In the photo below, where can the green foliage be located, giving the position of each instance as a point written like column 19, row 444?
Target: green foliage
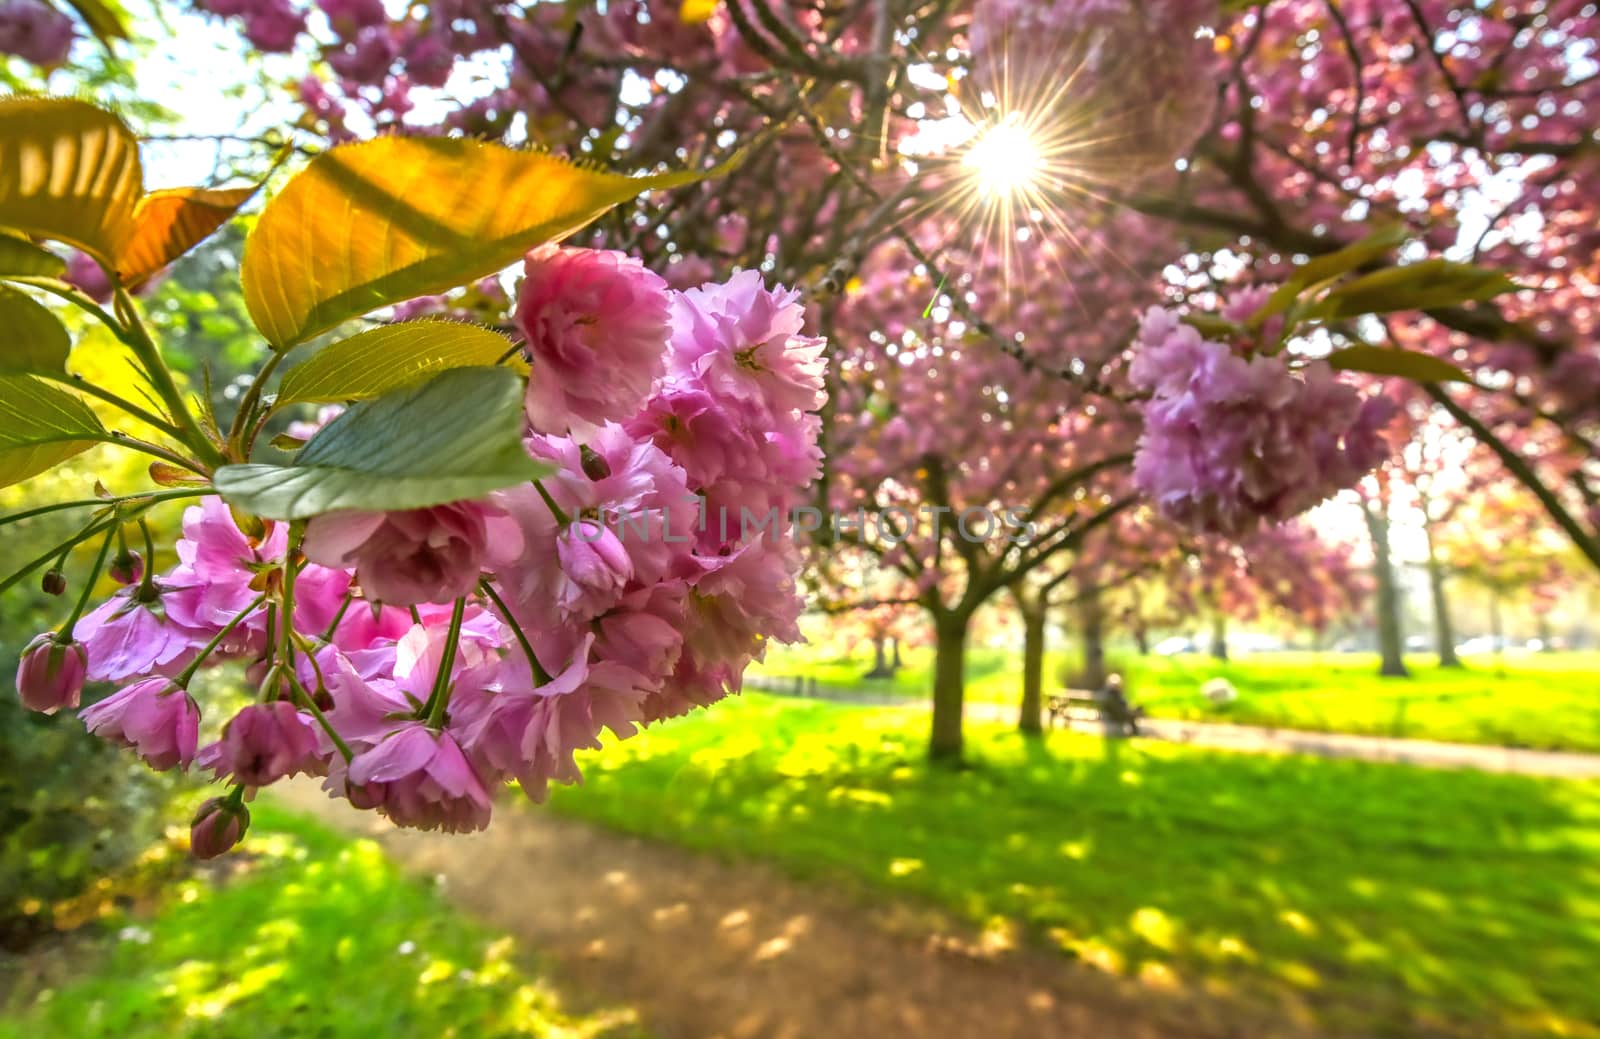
column 1409, row 364
column 383, row 359
column 72, row 809
column 21, row 258
column 1425, row 285
column 1382, row 899
column 458, row 435
column 369, row 224
column 35, row 340
column 313, row 936
column 70, row 172
column 41, row 427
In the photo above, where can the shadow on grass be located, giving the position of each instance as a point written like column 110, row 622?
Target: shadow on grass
column 1386, row 900
column 304, row 934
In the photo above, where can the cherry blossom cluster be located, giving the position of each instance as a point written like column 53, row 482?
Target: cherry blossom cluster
column 35, row 32
column 1234, row 437
column 416, row 660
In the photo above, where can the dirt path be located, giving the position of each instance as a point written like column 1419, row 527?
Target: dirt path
column 710, row 950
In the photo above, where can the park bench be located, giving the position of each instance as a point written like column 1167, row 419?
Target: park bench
column 1094, row 705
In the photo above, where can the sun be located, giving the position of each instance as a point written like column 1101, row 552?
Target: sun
column 1006, row 160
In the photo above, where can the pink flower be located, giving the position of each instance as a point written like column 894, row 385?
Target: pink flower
column 1231, row 441
column 416, row 556
column 596, row 329
column 217, row 827
column 126, row 637
column 596, row 566
column 264, row 743
column 154, row 717
column 348, row 15
column 127, row 567
column 367, row 58
column 273, row 26
column 34, row 32
column 50, row 674
column 421, row 779
column 429, row 61
column 85, row 274
column 745, row 345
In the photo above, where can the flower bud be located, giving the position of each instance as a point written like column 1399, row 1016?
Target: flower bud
column 217, row 827
column 127, row 566
column 50, row 674
column 54, row 582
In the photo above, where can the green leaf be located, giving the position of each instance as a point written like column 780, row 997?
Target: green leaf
column 1416, row 286
column 20, row 258
column 458, row 435
column 170, row 222
column 1408, row 364
column 103, row 19
column 41, row 427
column 70, row 172
column 374, row 223
column 34, row 339
column 387, row 358
column 1324, row 268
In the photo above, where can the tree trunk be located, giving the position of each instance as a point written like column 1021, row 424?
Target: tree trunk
column 1497, row 628
column 1391, row 636
column 1443, row 631
column 880, row 662
column 1092, row 621
column 1141, row 638
column 894, row 653
column 1219, row 636
column 1030, row 719
column 949, row 687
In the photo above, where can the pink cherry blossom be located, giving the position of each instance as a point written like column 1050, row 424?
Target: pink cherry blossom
column 744, row 343
column 157, row 719
column 264, row 743
column 217, row 827
column 595, row 327
column 50, row 674
column 420, row 555
column 34, row 32
column 419, row 778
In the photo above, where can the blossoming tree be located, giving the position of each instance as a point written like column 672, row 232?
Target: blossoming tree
column 1198, row 288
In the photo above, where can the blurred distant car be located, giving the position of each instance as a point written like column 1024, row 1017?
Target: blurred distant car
column 1252, row 643
column 1175, row 646
column 1416, row 643
column 1481, row 644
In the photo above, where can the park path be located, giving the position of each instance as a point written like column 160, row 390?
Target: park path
column 708, row 949
column 1258, row 740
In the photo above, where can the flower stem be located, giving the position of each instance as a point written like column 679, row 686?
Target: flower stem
column 540, row 675
column 310, row 704
column 188, row 673
column 439, row 699
column 555, row 510
column 65, row 634
column 144, row 347
column 142, row 498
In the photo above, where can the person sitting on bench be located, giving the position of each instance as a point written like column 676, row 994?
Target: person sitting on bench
column 1117, row 700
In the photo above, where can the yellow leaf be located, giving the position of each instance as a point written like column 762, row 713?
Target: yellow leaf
column 68, row 171
column 370, row 224
column 692, row 12
column 170, row 222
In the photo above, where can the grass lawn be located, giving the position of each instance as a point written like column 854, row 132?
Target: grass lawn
column 303, row 934
column 1386, row 900
column 1548, row 701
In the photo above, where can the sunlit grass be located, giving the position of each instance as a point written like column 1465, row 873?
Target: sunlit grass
column 1385, row 899
column 1548, row 701
column 315, row 935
